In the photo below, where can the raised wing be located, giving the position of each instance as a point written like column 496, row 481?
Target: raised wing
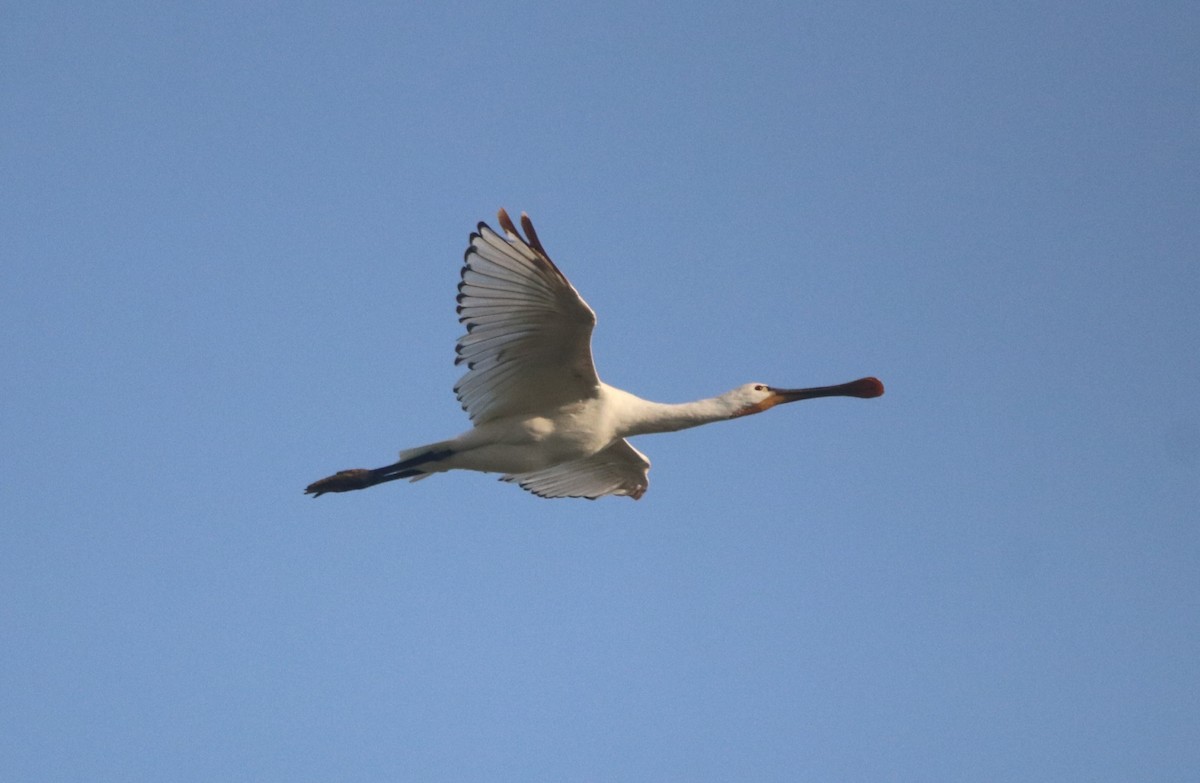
column 619, row 469
column 529, row 332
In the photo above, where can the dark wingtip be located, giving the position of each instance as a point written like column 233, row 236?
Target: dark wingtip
column 532, row 236
column 506, row 223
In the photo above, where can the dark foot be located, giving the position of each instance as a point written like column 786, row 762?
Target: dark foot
column 342, row 481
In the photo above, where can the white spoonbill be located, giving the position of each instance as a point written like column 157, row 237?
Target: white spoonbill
column 541, row 415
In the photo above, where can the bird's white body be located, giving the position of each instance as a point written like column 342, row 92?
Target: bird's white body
column 524, row 443
column 542, row 416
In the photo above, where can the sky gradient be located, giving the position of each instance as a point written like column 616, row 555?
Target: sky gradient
column 230, row 235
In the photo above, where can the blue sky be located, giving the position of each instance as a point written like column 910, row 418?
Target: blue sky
column 230, row 237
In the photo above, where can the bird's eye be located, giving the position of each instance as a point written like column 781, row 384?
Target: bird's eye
column 759, row 387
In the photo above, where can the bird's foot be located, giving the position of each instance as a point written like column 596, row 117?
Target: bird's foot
column 342, row 481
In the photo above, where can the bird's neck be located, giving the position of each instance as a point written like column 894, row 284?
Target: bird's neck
column 644, row 417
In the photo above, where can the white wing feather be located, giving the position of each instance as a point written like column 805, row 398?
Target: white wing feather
column 619, row 469
column 529, row 332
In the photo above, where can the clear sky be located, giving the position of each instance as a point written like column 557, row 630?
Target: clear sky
column 229, row 239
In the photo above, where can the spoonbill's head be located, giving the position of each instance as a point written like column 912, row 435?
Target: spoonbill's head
column 757, row 397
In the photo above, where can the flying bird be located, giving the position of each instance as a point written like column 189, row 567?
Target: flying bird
column 542, row 417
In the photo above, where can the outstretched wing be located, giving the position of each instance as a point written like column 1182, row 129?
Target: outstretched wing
column 529, row 332
column 619, row 469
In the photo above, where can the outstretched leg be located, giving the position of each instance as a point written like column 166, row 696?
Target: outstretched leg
column 361, row 478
